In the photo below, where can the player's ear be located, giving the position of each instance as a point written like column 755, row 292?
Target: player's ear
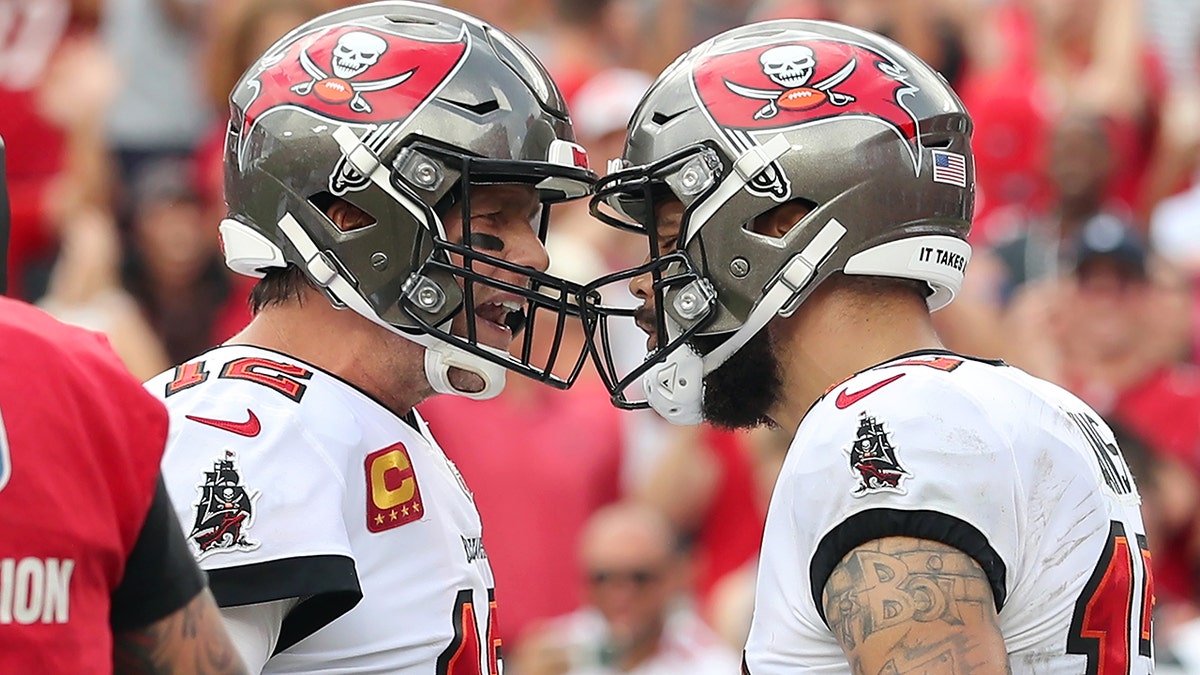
column 780, row 220
column 346, row 216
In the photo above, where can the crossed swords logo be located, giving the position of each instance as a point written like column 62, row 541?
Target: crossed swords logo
column 357, row 103
column 771, row 108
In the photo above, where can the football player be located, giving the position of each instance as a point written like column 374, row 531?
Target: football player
column 94, row 572
column 389, row 169
column 806, row 190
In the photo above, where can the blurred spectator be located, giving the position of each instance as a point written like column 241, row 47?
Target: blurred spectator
column 239, row 31
column 1034, row 244
column 1112, row 332
column 175, row 270
column 933, row 30
column 1113, row 317
column 540, row 461
column 634, row 622
column 1056, row 55
column 705, row 485
column 731, row 603
column 54, row 83
column 158, row 111
column 586, row 37
column 85, row 290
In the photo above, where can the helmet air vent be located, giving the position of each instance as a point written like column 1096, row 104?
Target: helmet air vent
column 400, row 18
column 482, row 108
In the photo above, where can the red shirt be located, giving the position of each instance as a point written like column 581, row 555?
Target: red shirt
column 539, row 461
column 77, row 476
column 1164, row 410
column 731, row 531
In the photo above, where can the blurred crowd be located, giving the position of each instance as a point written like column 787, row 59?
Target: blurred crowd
column 620, row 544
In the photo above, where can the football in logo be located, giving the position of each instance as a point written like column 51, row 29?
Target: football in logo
column 802, row 98
column 333, row 90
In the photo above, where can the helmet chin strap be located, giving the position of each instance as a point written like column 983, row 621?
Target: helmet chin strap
column 440, row 356
column 675, row 388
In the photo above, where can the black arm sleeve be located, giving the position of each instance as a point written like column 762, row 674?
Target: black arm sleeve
column 160, row 575
column 875, row 524
column 327, row 586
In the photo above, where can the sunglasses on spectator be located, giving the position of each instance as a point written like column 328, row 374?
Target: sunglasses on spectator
column 637, row 577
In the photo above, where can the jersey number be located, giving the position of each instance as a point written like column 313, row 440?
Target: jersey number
column 1103, row 625
column 285, row 378
column 463, row 655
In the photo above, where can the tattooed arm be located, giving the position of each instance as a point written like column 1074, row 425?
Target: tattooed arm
column 901, row 605
column 164, row 620
column 190, row 641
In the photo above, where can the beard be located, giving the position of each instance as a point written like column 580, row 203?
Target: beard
column 739, row 394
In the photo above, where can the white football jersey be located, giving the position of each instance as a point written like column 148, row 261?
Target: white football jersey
column 1010, row 469
column 291, row 483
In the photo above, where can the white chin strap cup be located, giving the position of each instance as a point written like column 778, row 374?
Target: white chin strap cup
column 440, row 357
column 675, row 387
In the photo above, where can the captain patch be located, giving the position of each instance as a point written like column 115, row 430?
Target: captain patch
column 393, row 497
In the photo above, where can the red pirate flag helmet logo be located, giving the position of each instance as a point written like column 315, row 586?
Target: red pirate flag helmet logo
column 782, row 86
column 353, row 74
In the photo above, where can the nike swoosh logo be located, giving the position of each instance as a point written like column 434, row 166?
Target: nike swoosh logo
column 845, row 399
column 249, row 428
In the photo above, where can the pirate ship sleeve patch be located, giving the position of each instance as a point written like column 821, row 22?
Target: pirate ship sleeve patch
column 327, row 584
column 224, row 513
column 160, row 574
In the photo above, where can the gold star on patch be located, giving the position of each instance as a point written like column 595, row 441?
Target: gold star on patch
column 392, row 514
column 404, row 510
column 416, row 506
column 379, row 519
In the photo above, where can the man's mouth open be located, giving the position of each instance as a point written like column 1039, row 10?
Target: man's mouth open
column 499, row 321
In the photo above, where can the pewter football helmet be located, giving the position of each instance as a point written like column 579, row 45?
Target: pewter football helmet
column 843, row 119
column 400, row 108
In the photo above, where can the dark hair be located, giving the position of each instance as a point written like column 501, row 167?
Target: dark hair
column 279, row 286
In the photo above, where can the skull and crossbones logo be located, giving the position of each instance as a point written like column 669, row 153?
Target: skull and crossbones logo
column 354, row 54
column 792, row 67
